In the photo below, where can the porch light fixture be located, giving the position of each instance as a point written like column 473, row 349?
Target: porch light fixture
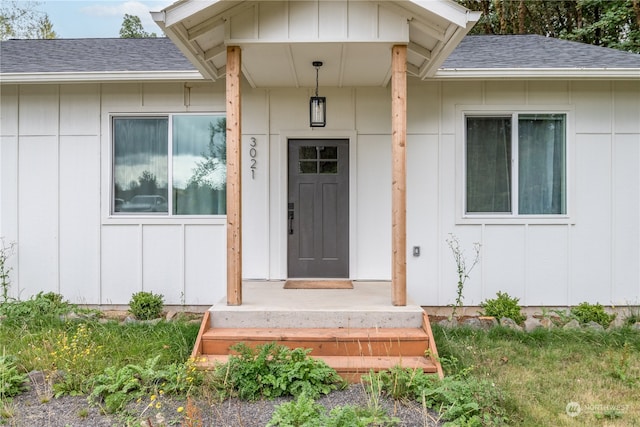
column 317, row 104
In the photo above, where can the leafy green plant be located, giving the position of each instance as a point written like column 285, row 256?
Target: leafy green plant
column 503, row 306
column 460, row 399
column 272, row 370
column 115, row 387
column 146, row 305
column 302, row 412
column 305, row 412
column 39, row 310
column 6, row 250
column 585, row 313
column 462, row 269
column 12, row 382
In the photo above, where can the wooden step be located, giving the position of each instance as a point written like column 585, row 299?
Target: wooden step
column 394, row 342
column 349, row 367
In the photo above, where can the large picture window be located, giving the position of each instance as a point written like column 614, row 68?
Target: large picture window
column 169, row 165
column 516, row 164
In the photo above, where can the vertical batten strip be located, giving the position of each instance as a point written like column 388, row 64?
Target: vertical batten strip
column 234, row 180
column 399, row 174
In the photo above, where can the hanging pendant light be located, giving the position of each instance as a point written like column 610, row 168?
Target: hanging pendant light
column 317, row 104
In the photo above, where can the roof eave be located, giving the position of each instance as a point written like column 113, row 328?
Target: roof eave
column 538, row 73
column 471, row 18
column 102, row 77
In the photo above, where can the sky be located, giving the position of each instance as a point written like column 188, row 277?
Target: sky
column 99, row 19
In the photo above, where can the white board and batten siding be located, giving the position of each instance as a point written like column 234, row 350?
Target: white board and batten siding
column 55, row 169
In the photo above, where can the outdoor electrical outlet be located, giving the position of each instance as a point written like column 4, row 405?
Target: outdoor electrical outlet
column 416, row 251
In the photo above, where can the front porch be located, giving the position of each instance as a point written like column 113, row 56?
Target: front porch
column 352, row 330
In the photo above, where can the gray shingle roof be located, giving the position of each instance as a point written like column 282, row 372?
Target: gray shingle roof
column 160, row 54
column 91, row 55
column 534, row 51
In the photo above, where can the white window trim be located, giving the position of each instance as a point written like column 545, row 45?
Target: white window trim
column 462, row 217
column 111, row 218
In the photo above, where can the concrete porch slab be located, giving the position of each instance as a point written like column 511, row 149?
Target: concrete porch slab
column 266, row 304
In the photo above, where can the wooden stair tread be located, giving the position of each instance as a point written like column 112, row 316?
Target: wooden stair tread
column 345, row 364
column 316, row 334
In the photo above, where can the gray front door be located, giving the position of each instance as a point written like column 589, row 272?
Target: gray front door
column 318, row 208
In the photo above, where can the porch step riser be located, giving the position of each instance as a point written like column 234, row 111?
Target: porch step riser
column 239, row 317
column 395, row 342
column 349, row 368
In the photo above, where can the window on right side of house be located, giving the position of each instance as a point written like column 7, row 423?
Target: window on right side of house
column 516, row 164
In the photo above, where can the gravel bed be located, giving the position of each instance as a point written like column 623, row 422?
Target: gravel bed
column 33, row 408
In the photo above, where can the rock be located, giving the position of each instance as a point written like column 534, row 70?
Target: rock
column 510, row 323
column 130, row 319
column 572, row 324
column 170, row 315
column 594, row 326
column 636, row 326
column 532, row 324
column 546, row 322
column 618, row 322
column 488, row 322
column 448, row 323
column 152, row 321
column 472, row 322
column 69, row 316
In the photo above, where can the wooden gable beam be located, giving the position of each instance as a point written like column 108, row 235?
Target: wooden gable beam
column 399, row 174
column 234, row 181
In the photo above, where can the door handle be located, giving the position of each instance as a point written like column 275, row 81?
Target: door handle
column 290, row 216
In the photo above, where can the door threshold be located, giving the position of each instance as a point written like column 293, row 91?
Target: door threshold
column 318, row 284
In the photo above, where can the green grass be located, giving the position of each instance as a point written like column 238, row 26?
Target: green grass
column 543, row 371
column 537, row 374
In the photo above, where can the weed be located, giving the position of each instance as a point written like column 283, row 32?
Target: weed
column 116, row 387
column 272, row 370
column 460, row 399
column 40, row 310
column 83, row 413
column 192, row 414
column 6, row 250
column 461, row 267
column 503, row 306
column 586, row 313
column 305, row 412
column 302, row 412
column 146, row 305
column 12, row 382
column 73, row 357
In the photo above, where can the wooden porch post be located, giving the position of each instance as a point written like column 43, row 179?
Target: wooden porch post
column 399, row 174
column 234, row 181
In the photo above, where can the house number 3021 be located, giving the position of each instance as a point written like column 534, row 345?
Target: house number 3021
column 253, row 153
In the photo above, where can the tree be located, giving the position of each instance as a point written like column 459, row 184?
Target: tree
column 610, row 23
column 22, row 20
column 132, row 28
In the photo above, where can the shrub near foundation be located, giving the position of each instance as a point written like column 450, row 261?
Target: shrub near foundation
column 503, row 306
column 586, row 313
column 146, row 305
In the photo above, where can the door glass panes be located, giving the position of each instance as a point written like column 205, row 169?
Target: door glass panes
column 328, row 153
column 308, row 153
column 140, row 167
column 199, row 165
column 308, row 167
column 318, row 159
